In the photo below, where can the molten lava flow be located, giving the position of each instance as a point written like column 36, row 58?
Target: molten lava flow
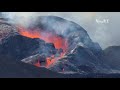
column 59, row 42
column 49, row 61
column 37, row 64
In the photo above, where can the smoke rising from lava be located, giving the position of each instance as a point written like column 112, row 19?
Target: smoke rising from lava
column 110, row 32
column 21, row 18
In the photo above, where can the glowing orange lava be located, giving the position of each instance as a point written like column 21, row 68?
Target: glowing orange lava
column 37, row 64
column 49, row 37
column 49, row 61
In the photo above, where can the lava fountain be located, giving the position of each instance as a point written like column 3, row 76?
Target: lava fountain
column 49, row 37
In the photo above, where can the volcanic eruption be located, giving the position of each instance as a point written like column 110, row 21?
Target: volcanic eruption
column 66, row 36
column 59, row 42
column 54, row 43
column 51, row 44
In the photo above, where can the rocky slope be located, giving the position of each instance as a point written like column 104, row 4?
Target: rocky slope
column 112, row 57
column 21, row 47
column 80, row 60
column 73, row 32
column 10, row 68
column 82, row 56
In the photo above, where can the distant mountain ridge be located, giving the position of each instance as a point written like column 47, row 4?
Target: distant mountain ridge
column 112, row 56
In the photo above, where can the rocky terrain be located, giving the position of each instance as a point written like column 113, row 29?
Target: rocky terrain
column 81, row 57
column 112, row 57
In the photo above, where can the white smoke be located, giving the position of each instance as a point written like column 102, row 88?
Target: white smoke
column 105, row 34
column 22, row 18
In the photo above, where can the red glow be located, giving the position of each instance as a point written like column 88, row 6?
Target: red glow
column 37, row 64
column 49, row 61
column 48, row 37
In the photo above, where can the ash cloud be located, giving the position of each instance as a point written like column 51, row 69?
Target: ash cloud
column 105, row 34
column 23, row 18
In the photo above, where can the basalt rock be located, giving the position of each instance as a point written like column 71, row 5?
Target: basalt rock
column 21, row 47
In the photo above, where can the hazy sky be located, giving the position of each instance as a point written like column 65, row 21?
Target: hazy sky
column 106, row 34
